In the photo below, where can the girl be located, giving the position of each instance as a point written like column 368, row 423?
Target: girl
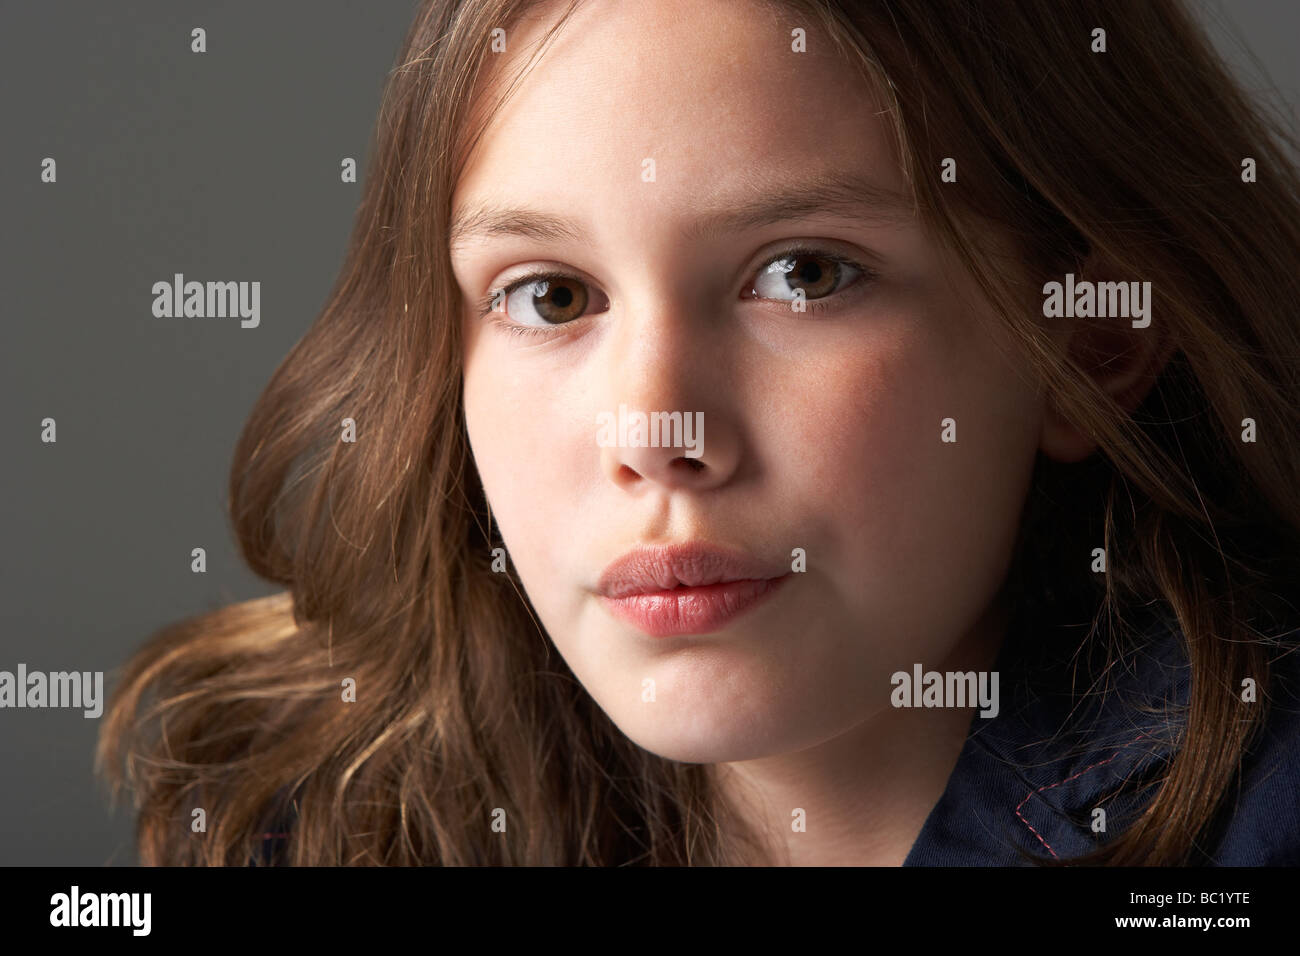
column 789, row 432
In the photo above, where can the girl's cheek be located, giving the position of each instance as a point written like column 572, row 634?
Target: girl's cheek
column 859, row 419
column 533, row 451
column 866, row 445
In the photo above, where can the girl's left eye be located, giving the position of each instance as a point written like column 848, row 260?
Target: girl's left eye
column 812, row 274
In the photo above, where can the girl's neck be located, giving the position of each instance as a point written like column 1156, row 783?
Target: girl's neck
column 864, row 795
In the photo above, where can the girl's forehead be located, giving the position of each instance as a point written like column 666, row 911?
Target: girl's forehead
column 699, row 58
column 673, row 95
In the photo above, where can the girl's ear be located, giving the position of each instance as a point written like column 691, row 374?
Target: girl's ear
column 1123, row 361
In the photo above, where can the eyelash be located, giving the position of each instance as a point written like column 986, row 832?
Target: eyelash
column 813, row 305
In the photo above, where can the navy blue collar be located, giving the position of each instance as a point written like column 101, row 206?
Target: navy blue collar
column 1030, row 780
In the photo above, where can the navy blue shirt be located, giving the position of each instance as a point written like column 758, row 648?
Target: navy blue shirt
column 1029, row 781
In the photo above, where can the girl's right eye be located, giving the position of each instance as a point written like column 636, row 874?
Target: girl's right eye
column 554, row 298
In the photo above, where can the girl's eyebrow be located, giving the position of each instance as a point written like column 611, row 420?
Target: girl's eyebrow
column 759, row 201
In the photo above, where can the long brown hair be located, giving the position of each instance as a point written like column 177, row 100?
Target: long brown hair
column 383, row 545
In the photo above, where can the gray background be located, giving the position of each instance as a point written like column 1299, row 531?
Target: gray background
column 222, row 166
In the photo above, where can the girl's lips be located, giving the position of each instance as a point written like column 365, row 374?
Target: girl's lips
column 691, row 610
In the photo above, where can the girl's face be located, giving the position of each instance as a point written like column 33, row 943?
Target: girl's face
column 666, row 157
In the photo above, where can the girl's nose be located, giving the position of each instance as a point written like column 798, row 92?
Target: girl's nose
column 666, row 419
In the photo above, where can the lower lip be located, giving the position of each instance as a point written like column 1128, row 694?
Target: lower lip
column 701, row 610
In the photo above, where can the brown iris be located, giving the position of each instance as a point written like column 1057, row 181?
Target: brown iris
column 811, row 275
column 559, row 300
